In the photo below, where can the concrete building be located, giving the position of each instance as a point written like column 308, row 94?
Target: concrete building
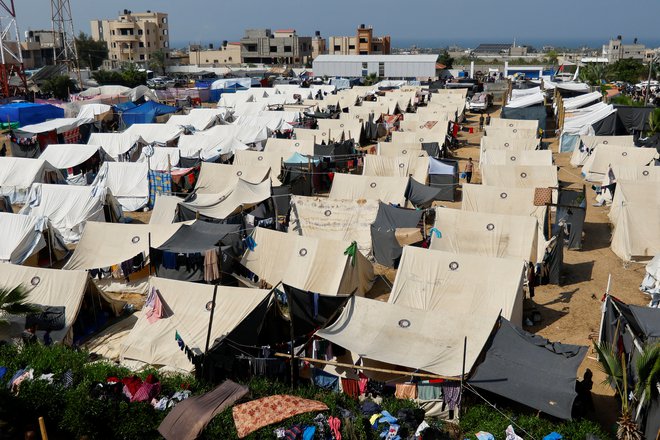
column 362, row 43
column 229, row 54
column 506, row 49
column 384, row 66
column 37, row 49
column 318, row 45
column 284, row 46
column 133, row 37
column 616, row 50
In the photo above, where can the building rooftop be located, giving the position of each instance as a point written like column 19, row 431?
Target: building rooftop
column 285, row 31
column 492, row 48
column 426, row 58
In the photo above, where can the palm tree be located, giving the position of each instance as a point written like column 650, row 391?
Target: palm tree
column 371, row 79
column 14, row 302
column 648, row 373
column 592, row 74
column 654, row 121
column 615, row 369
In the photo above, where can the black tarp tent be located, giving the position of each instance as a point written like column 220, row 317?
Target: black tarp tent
column 386, row 248
column 443, row 175
column 421, row 196
column 531, row 370
column 188, row 246
column 628, row 328
column 572, row 210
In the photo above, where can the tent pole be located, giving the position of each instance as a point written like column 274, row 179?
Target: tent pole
column 50, row 246
column 208, row 332
column 460, row 398
column 149, row 243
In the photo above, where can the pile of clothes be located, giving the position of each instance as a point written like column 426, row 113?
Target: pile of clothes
column 27, row 374
column 134, row 389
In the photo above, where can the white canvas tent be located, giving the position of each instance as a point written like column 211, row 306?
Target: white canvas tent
column 128, row 182
column 313, row 136
column 338, row 128
column 447, row 283
column 63, row 156
column 69, row 207
column 308, row 263
column 59, row 125
column 510, row 132
column 385, row 189
column 160, row 158
column 393, row 166
column 155, row 133
column 598, row 163
column 506, row 143
column 333, row 219
column 52, row 287
column 519, row 176
column 17, row 174
column 199, row 118
column 524, row 157
column 246, row 134
column 154, row 343
column 288, row 146
column 164, row 209
column 420, row 136
column 588, row 143
column 514, row 123
column 215, row 178
column 23, row 236
column 207, row 147
column 581, row 100
column 240, row 196
column 116, row 145
column 259, row 159
column 400, row 149
column 488, row 234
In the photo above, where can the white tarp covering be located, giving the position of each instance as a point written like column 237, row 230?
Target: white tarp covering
column 247, row 134
column 59, row 125
column 514, row 123
column 314, row 136
column 104, row 90
column 259, row 159
column 588, row 143
column 217, row 178
column 524, row 157
column 221, row 205
column 581, row 100
column 207, row 147
column 288, row 146
column 63, row 156
column 506, row 143
column 401, row 149
column 128, row 182
column 634, row 216
column 17, row 174
column 420, row 136
column 519, row 176
column 480, row 233
column 162, row 158
column 404, row 336
column 446, row 282
column 397, row 166
column 115, row 144
column 510, row 133
column 225, row 83
column 385, row 189
column 526, row 100
column 308, row 263
column 338, row 128
column 332, row 219
column 198, row 118
column 271, row 120
column 22, row 237
column 581, row 124
column 155, row 133
column 68, row 207
column 164, row 209
column 93, row 110
column 597, row 164
column 154, row 344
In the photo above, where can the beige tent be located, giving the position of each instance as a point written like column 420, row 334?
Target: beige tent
column 489, row 143
column 634, row 216
column 588, row 143
column 380, row 107
column 443, row 93
column 54, row 287
column 397, row 166
column 258, row 159
column 419, row 136
column 514, row 123
column 308, row 263
column 439, row 126
column 242, row 195
column 334, row 219
column 215, row 178
column 403, row 336
column 524, row 157
column 597, row 164
column 635, row 173
column 155, row 344
column 164, row 209
column 460, row 285
column 385, row 189
column 519, row 176
column 492, row 235
column 511, row 133
column 337, row 128
column 423, row 116
column 287, row 147
column 314, row 136
column 401, row 149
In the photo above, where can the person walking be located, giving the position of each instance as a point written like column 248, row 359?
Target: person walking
column 481, row 122
column 487, row 120
column 469, row 167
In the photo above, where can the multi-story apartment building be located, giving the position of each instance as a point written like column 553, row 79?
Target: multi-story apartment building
column 229, row 54
column 133, row 37
column 616, row 50
column 362, row 43
column 261, row 46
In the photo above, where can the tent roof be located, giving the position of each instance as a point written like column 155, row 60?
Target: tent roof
column 603, row 156
column 124, row 179
column 199, row 121
column 155, row 133
column 248, row 134
column 63, row 156
column 198, row 237
column 93, row 110
column 257, row 159
column 400, row 335
column 523, row 157
column 218, row 178
column 208, row 147
column 288, row 146
column 418, row 136
column 531, row 370
column 60, row 125
column 21, row 236
column 164, row 209
column 385, row 189
column 334, row 219
column 397, row 166
column 154, row 343
column 519, row 176
column 401, row 149
column 493, row 235
column 114, row 144
column 241, row 195
column 592, row 141
column 514, row 123
column 505, row 142
column 307, row 263
column 22, row 172
column 159, row 158
column 106, row 244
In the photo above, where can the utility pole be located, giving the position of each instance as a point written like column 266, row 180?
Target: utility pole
column 648, row 82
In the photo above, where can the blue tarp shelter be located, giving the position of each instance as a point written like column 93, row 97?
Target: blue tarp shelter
column 28, row 113
column 125, row 106
column 298, row 159
column 146, row 113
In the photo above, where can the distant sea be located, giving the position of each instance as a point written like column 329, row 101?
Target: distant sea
column 572, row 43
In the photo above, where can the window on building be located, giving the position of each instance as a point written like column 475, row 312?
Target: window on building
column 148, row 44
column 363, row 40
column 166, row 44
column 337, row 48
column 375, row 48
column 147, row 31
column 273, row 48
column 142, row 56
column 381, row 69
column 164, row 31
column 290, row 49
column 114, row 56
column 140, row 32
column 114, row 45
column 141, row 44
column 229, row 59
column 251, row 47
column 164, row 20
column 364, row 65
column 364, row 52
column 215, row 61
column 113, row 32
column 351, row 47
column 26, row 54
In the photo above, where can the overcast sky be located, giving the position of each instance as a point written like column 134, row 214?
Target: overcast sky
column 407, row 21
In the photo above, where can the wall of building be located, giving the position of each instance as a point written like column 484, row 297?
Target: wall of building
column 362, row 43
column 262, row 46
column 353, row 67
column 225, row 55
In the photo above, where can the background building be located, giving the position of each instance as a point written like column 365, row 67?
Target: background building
column 318, row 45
column 261, row 46
column 384, row 66
column 500, row 49
column 133, row 37
column 37, row 49
column 362, row 43
column 616, row 50
column 226, row 55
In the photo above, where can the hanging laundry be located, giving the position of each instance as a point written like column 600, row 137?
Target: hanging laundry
column 435, row 231
column 351, row 251
column 406, row 391
column 350, row 387
column 451, row 393
column 156, row 311
column 211, row 269
column 178, row 340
